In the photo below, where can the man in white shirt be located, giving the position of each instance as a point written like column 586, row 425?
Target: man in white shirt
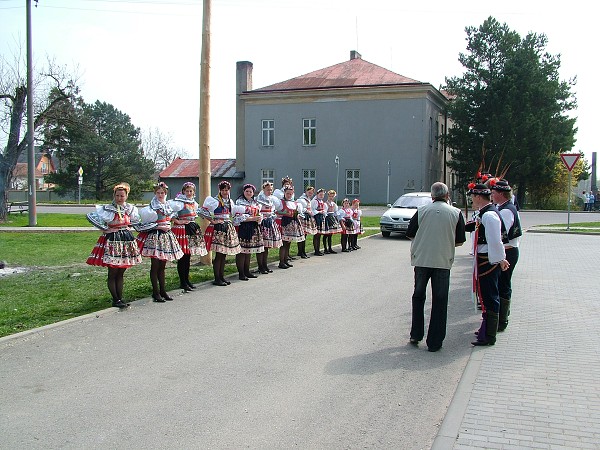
column 490, row 260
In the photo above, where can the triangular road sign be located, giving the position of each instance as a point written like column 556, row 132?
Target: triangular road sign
column 570, row 159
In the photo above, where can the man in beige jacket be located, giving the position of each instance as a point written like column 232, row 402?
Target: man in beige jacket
column 436, row 230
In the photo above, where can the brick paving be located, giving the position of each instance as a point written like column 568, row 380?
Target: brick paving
column 538, row 387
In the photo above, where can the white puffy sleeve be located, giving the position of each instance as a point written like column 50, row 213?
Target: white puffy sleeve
column 493, row 236
column 176, row 206
column 134, row 217
column 210, row 204
column 106, row 216
column 148, row 215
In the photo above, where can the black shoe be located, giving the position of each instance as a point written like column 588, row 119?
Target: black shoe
column 433, row 349
column 291, row 258
column 225, row 281
column 269, row 270
column 345, row 251
column 119, row 304
column 219, row 283
column 157, row 299
column 332, row 251
column 326, row 251
column 479, row 343
column 356, row 247
column 502, row 326
column 283, row 266
column 414, row 341
column 185, row 287
column 243, row 277
column 318, row 254
column 289, row 265
column 304, row 256
column 191, row 286
column 166, row 297
column 249, row 275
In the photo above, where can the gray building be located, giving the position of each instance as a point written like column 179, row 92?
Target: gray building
column 355, row 125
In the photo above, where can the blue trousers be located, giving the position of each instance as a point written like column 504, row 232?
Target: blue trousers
column 440, row 284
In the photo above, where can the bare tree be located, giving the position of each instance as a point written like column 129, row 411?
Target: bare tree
column 52, row 88
column 158, row 147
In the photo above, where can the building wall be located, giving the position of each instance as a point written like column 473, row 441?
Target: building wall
column 366, row 129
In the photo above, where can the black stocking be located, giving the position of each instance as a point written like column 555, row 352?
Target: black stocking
column 345, row 241
column 316, row 242
column 154, row 270
column 161, row 278
column 113, row 274
column 183, row 269
column 120, row 282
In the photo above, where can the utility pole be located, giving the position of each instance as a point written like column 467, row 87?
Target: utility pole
column 204, row 160
column 30, row 126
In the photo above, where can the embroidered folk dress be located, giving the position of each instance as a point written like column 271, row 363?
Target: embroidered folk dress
column 222, row 237
column 269, row 229
column 345, row 218
column 188, row 234
column 116, row 247
column 249, row 233
column 308, row 221
column 160, row 242
column 291, row 228
column 332, row 225
column 319, row 210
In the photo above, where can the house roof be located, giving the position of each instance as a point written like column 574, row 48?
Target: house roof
column 353, row 73
column 190, row 168
column 20, row 171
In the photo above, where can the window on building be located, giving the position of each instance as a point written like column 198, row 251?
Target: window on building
column 309, row 177
column 309, row 130
column 44, row 168
column 352, row 182
column 437, row 134
column 267, row 175
column 431, row 132
column 268, row 133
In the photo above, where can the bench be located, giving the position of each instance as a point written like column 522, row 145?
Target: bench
column 19, row 207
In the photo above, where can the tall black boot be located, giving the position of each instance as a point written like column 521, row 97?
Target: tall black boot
column 317, row 244
column 181, row 271
column 504, row 313
column 344, row 243
column 491, row 328
column 329, row 239
column 239, row 263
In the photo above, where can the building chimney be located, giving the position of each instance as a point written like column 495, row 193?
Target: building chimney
column 243, row 84
column 354, row 55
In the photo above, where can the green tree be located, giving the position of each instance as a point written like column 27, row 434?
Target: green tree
column 107, row 146
column 53, row 88
column 511, row 103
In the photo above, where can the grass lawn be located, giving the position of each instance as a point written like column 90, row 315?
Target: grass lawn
column 48, row 220
column 59, row 285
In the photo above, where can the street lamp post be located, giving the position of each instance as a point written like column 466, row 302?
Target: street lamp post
column 389, row 172
column 337, row 178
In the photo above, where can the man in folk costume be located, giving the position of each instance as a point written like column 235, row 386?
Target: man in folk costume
column 490, row 260
column 501, row 196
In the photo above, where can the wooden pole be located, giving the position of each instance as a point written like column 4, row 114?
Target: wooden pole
column 204, row 160
column 30, row 127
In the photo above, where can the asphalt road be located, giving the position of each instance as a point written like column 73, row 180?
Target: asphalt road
column 313, row 357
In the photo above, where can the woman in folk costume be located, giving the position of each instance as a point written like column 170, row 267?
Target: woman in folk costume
column 291, row 228
column 188, row 233
column 116, row 247
column 221, row 235
column 332, row 225
column 356, row 215
column 159, row 244
column 249, row 232
column 319, row 210
column 269, row 229
column 308, row 221
column 279, row 193
column 344, row 215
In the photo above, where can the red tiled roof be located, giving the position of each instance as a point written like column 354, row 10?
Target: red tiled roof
column 21, row 171
column 190, row 168
column 355, row 72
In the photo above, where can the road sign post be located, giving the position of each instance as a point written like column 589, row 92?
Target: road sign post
column 569, row 160
column 79, row 182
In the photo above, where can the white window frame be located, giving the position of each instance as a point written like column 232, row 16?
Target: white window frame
column 267, row 175
column 353, row 176
column 309, row 132
column 268, row 132
column 307, row 179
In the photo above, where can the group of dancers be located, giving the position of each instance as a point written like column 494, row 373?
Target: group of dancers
column 251, row 224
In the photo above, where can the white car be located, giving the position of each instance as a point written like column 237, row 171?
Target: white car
column 396, row 219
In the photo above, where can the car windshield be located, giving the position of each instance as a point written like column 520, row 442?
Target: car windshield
column 411, row 202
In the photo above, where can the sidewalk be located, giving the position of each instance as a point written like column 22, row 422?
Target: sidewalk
column 538, row 387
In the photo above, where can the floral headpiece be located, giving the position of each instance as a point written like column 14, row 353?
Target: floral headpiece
column 122, row 187
column 248, row 185
column 224, row 184
column 160, row 185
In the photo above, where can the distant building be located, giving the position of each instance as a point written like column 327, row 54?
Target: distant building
column 44, row 166
column 183, row 170
column 340, row 126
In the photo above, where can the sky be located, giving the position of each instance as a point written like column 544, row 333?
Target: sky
column 143, row 56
